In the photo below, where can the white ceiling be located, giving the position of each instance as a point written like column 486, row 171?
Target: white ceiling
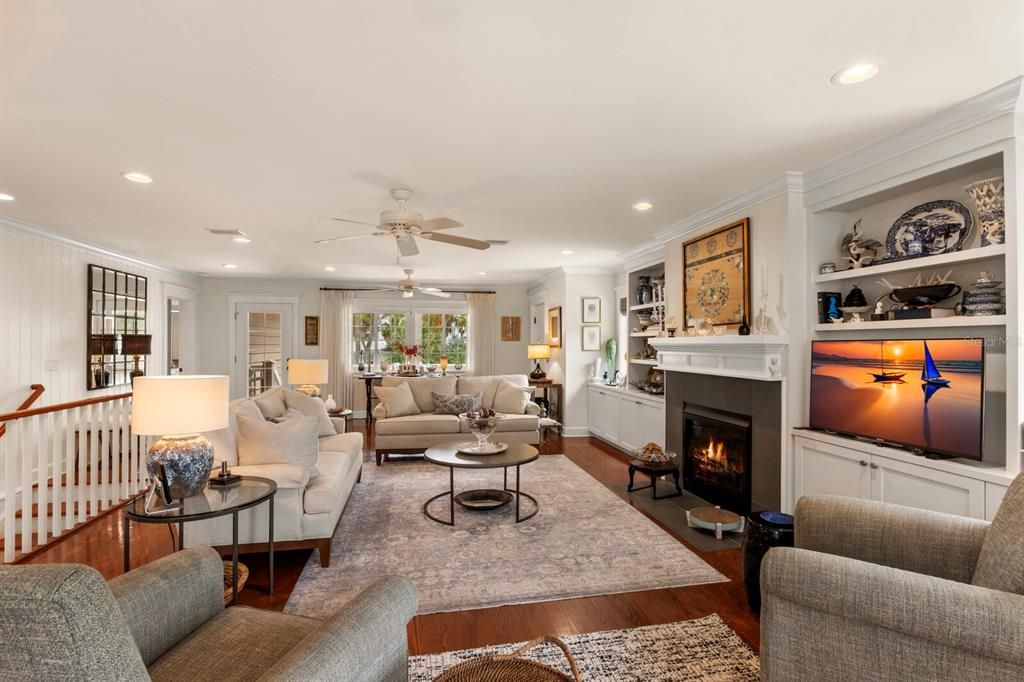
column 540, row 123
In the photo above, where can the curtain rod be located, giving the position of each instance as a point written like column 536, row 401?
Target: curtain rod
column 447, row 291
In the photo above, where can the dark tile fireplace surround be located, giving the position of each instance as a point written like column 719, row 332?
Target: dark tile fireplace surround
column 728, row 433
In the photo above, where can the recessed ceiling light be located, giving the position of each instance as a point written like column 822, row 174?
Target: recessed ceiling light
column 230, row 266
column 643, row 206
column 856, row 73
column 567, row 252
column 329, row 268
column 481, row 273
column 135, row 176
column 6, row 197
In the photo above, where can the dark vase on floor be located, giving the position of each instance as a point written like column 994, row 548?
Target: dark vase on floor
column 764, row 530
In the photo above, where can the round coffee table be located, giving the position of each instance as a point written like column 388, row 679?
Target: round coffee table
column 448, row 455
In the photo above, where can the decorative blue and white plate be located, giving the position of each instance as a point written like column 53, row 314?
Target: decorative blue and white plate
column 939, row 226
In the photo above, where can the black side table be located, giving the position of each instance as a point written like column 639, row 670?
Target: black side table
column 655, row 471
column 211, row 503
column 764, row 531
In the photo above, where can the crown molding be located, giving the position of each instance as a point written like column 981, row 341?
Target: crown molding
column 582, row 270
column 36, row 231
column 1001, row 100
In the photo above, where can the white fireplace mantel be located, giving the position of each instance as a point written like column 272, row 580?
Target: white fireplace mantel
column 762, row 358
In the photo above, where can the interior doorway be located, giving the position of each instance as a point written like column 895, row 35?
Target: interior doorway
column 180, row 344
column 264, row 340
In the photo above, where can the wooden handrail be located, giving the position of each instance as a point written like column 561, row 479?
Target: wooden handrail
column 21, row 414
column 37, row 390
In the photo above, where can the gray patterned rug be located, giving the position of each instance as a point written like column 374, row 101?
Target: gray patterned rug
column 703, row 649
column 585, row 541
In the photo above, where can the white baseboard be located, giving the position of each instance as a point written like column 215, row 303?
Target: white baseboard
column 575, row 432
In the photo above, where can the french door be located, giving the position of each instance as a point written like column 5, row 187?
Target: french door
column 263, row 344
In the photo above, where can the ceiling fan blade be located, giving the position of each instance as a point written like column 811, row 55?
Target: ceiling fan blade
column 407, row 247
column 457, row 241
column 342, row 239
column 439, row 224
column 432, row 291
column 346, row 220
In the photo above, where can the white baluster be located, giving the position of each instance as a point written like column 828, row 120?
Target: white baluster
column 8, row 449
column 30, row 435
column 64, row 473
column 82, row 455
column 92, row 425
column 122, row 426
column 42, row 478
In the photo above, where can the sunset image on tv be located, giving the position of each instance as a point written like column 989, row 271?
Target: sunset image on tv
column 922, row 394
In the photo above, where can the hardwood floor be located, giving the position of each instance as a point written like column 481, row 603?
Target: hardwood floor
column 101, row 545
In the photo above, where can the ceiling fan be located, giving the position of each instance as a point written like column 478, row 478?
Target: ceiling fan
column 404, row 225
column 408, row 287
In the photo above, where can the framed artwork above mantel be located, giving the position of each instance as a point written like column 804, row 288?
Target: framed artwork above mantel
column 716, row 276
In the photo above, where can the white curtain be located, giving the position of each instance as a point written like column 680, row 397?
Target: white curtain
column 483, row 332
column 336, row 343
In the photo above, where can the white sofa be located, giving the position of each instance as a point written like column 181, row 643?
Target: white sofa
column 306, row 510
column 415, row 433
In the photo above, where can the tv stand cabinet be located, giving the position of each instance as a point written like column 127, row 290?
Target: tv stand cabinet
column 824, row 464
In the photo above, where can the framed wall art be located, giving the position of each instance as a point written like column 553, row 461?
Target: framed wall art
column 312, row 330
column 716, row 276
column 591, row 310
column 555, row 327
column 591, row 337
column 511, row 328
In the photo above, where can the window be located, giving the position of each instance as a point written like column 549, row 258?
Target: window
column 375, row 335
column 264, row 351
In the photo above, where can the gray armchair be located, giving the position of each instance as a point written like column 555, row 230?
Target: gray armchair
column 167, row 620
column 876, row 591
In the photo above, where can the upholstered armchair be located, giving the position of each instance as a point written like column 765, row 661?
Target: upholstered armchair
column 166, row 620
column 876, row 591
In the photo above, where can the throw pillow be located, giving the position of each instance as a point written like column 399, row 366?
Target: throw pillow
column 510, row 398
column 225, row 441
column 271, row 403
column 290, row 413
column 423, row 387
column 397, row 400
column 311, row 407
column 456, row 404
column 293, row 441
column 1001, row 560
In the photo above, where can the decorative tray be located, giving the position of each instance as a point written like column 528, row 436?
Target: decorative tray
column 471, row 448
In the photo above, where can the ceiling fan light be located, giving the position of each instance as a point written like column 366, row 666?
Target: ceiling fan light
column 406, row 294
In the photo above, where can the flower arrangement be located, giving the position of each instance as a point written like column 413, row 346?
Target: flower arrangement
column 410, row 352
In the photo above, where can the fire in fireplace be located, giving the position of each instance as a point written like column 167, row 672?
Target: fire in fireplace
column 716, row 461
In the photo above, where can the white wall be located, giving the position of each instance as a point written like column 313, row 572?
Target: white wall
column 43, row 310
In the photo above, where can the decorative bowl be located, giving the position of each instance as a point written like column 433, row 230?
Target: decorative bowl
column 987, row 284
column 925, row 296
column 482, row 425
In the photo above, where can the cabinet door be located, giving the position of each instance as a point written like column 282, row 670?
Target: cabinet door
column 994, row 495
column 916, row 486
column 609, row 412
column 652, row 423
column 824, row 469
column 594, row 411
column 629, row 423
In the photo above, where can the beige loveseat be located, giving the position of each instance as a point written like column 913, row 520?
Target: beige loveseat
column 415, row 433
column 307, row 507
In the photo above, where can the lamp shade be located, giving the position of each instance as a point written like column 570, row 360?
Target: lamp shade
column 538, row 351
column 307, row 371
column 137, row 344
column 167, row 406
column 101, row 344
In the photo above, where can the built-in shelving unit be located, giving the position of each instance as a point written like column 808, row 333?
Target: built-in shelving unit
column 639, row 368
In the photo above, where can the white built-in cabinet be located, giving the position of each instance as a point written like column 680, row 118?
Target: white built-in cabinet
column 828, row 465
column 625, row 418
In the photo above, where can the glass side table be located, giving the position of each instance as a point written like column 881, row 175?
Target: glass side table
column 211, row 503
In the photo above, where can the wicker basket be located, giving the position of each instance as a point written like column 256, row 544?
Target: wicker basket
column 512, row 667
column 243, row 575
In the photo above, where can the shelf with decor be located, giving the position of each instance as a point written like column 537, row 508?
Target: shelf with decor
column 646, row 320
column 642, row 307
column 643, row 361
column 911, row 264
column 959, row 322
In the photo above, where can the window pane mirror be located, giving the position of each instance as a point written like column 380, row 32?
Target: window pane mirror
column 117, row 308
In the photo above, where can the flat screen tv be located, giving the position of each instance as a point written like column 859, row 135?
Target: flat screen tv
column 921, row 394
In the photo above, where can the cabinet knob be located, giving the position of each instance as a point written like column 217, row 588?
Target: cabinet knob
column 863, row 463
column 874, row 466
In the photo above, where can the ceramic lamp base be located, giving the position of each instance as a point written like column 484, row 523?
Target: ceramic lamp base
column 187, row 462
column 538, row 374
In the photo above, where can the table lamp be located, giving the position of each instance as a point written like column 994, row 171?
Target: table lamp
column 178, row 408
column 137, row 345
column 538, row 352
column 307, row 374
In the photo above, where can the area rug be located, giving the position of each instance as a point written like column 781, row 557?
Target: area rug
column 585, row 541
column 703, row 649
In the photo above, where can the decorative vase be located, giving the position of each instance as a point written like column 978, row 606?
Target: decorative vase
column 855, row 299
column 744, row 328
column 384, row 366
column 644, row 292
column 989, row 204
column 330, row 403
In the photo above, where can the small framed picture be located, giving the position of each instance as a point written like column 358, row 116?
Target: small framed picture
column 591, row 309
column 511, row 327
column 555, row 327
column 312, row 330
column 591, row 337
column 828, row 306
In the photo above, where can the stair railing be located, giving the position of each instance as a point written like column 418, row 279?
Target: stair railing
column 61, row 465
column 37, row 390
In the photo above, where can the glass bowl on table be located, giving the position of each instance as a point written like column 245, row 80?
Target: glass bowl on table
column 482, row 423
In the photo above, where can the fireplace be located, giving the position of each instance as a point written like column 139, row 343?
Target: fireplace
column 716, row 459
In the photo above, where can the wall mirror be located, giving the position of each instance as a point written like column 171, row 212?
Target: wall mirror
column 117, row 309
